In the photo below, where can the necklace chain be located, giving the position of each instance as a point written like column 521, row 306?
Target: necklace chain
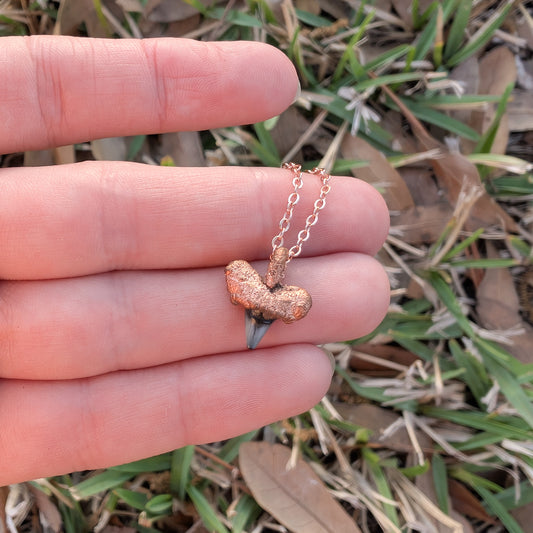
column 294, row 198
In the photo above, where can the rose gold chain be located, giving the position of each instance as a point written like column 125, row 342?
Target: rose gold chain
column 294, row 198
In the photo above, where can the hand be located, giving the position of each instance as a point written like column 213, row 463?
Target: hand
column 117, row 336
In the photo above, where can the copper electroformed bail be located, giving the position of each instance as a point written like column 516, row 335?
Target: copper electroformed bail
column 265, row 300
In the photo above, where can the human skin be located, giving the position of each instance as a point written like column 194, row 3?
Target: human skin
column 118, row 339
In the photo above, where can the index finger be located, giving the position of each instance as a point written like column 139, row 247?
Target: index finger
column 62, row 90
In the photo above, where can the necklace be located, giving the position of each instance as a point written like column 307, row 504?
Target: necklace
column 267, row 299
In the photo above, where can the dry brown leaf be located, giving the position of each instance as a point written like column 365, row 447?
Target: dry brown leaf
column 379, row 172
column 524, row 516
column 520, row 111
column 466, row 503
column 497, row 69
column 498, row 307
column 377, row 419
column 467, row 74
column 296, row 497
column 421, row 184
column 392, row 122
column 291, row 126
column 497, row 300
column 421, row 224
column 71, row 14
column 456, row 174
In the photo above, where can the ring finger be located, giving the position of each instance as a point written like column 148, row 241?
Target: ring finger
column 64, row 329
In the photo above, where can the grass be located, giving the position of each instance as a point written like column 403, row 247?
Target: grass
column 433, row 371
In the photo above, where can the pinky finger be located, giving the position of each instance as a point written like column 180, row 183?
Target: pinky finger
column 51, row 428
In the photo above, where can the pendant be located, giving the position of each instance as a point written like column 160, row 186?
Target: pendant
column 265, row 300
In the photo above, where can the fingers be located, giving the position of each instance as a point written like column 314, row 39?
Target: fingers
column 74, row 328
column 93, row 423
column 74, row 220
column 61, row 90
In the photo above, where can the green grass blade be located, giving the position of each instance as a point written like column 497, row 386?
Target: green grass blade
column 440, row 482
column 475, row 375
column 389, row 79
column 372, row 460
column 452, row 101
column 230, row 450
column 135, row 146
column 316, row 21
column 246, row 512
column 450, row 301
column 180, row 470
column 513, row 185
column 159, row 506
column 373, row 393
column 342, row 166
column 387, row 57
column 488, row 423
column 456, row 250
column 348, row 57
column 485, row 263
column 457, row 29
column 478, row 441
column 413, row 345
column 495, row 507
column 158, row 463
column 508, row 499
column 485, row 143
column 198, row 6
column 109, row 479
column 133, row 498
column 263, row 153
column 432, row 116
column 239, row 18
column 426, row 38
column 266, row 140
column 205, row 511
column 511, row 389
column 482, row 36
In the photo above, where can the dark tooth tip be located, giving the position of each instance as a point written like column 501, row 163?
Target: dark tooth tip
column 255, row 329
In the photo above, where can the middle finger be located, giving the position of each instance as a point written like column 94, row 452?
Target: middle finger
column 74, row 220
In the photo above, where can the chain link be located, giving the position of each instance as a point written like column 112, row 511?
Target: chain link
column 294, row 198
